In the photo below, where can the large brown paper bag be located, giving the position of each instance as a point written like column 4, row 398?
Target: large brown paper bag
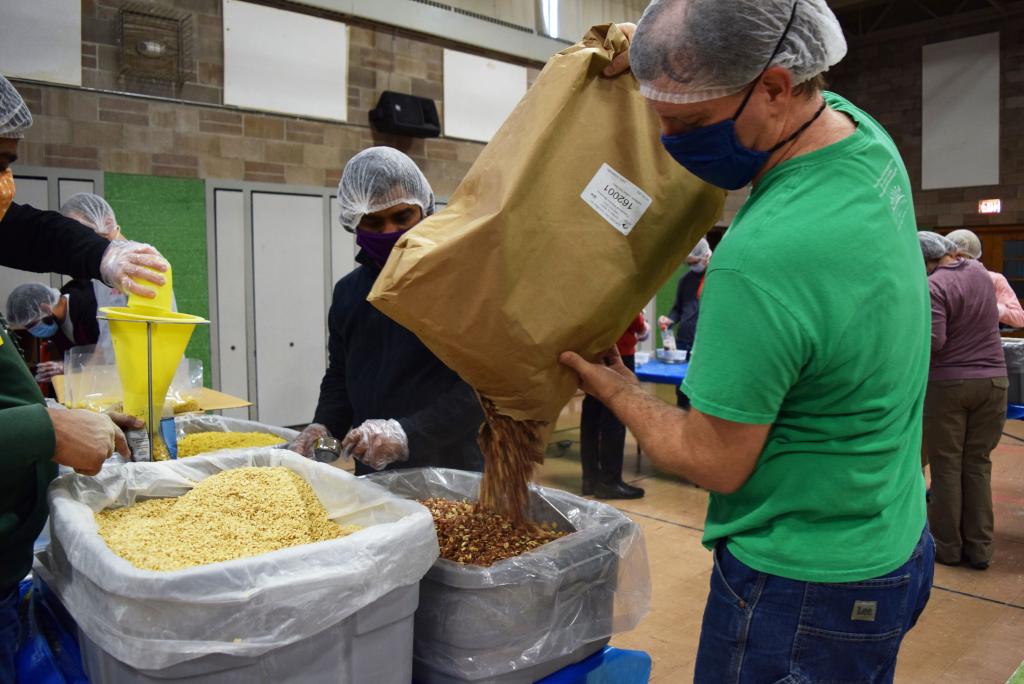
column 537, row 251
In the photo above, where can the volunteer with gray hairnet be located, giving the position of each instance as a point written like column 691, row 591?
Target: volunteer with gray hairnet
column 808, row 386
column 33, row 438
column 394, row 403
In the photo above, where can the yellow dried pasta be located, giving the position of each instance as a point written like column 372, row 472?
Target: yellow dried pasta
column 202, row 442
column 233, row 514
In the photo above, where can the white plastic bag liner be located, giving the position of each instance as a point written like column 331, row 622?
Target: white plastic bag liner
column 191, row 423
column 246, row 607
column 478, row 622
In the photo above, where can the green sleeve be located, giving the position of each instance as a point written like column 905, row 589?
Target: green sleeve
column 749, row 351
column 26, row 436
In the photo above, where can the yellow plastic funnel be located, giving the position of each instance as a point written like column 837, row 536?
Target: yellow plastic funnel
column 171, row 333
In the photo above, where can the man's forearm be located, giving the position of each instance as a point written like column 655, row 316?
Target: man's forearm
column 659, row 428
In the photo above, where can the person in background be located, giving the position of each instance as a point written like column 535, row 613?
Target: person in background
column 686, row 307
column 968, row 246
column 965, row 408
column 810, row 375
column 34, row 439
column 393, row 401
column 94, row 211
column 67, row 317
column 603, row 436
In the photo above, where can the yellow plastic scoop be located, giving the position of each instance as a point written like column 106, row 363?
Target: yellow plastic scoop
column 164, row 295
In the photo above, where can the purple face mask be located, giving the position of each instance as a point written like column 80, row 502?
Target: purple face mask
column 378, row 246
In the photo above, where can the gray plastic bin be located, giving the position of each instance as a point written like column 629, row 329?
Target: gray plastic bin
column 525, row 617
column 1013, row 352
column 373, row 645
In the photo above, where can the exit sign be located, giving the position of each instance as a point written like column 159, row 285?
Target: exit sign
column 990, row 206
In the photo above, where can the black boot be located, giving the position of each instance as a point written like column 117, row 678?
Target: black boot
column 617, row 490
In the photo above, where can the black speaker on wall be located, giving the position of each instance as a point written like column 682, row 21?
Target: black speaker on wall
column 406, row 115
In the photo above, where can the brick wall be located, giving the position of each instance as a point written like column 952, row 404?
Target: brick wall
column 129, row 130
column 885, row 80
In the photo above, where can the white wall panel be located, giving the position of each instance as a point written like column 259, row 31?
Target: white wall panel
column 343, row 247
column 229, row 217
column 288, row 290
column 479, row 94
column 41, row 40
column 960, row 113
column 286, row 62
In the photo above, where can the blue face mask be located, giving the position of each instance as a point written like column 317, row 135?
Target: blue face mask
column 715, row 154
column 43, row 330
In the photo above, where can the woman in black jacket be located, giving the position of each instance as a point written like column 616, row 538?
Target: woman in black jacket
column 394, row 402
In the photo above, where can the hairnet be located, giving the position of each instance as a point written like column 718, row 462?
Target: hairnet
column 378, row 178
column 92, row 210
column 29, row 302
column 701, row 250
column 696, row 50
column 934, row 246
column 967, row 243
column 15, row 118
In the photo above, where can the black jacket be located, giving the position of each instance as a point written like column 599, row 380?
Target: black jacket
column 41, row 241
column 82, row 303
column 686, row 309
column 378, row 369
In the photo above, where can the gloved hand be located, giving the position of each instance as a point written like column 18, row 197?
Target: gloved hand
column 306, row 441
column 47, row 369
column 125, row 260
column 377, row 442
column 644, row 334
column 664, row 322
column 84, row 440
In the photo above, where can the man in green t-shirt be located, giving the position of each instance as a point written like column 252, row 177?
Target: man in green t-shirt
column 810, row 364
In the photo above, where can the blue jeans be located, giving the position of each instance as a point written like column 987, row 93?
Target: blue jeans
column 10, row 629
column 763, row 628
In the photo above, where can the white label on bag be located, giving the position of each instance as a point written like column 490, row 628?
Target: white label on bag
column 618, row 201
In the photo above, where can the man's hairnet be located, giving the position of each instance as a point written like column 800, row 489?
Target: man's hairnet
column 934, row 246
column 695, row 50
column 702, row 250
column 967, row 243
column 30, row 302
column 379, row 178
column 93, row 211
column 15, row 118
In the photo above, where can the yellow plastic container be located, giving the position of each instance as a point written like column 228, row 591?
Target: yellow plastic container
column 164, row 295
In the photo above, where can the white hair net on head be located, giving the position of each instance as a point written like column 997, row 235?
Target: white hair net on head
column 379, row 178
column 701, row 250
column 92, row 210
column 934, row 246
column 30, row 302
column 967, row 243
column 15, row 118
column 695, row 50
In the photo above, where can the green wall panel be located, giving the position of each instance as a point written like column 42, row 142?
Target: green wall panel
column 170, row 214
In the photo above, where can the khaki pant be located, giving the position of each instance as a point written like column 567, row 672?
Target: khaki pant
column 963, row 421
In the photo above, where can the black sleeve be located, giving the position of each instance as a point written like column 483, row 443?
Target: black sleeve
column 83, row 311
column 452, row 415
column 334, row 409
column 676, row 312
column 44, row 241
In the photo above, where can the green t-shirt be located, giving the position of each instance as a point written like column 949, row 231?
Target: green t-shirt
column 815, row 318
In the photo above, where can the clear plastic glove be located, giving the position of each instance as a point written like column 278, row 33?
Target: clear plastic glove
column 645, row 334
column 306, row 441
column 48, row 369
column 664, row 322
column 125, row 260
column 377, row 443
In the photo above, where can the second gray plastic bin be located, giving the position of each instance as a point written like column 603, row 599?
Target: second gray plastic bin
column 526, row 617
